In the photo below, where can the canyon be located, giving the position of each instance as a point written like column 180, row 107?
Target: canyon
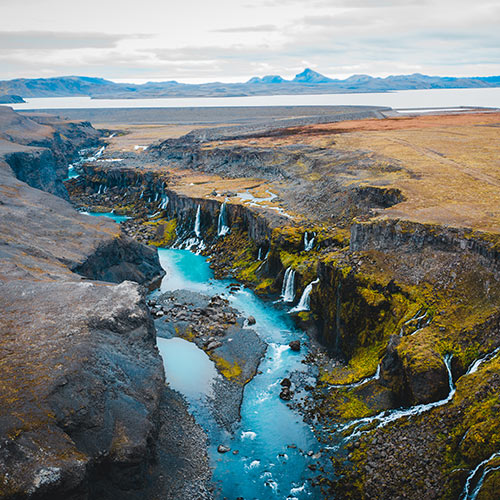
column 381, row 236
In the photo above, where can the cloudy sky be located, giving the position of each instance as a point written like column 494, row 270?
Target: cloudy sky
column 232, row 40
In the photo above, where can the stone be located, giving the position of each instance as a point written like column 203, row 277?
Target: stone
column 286, row 382
column 294, row 345
column 286, row 394
column 251, row 320
column 223, row 449
column 213, row 345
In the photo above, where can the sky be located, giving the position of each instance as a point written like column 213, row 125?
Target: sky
column 196, row 41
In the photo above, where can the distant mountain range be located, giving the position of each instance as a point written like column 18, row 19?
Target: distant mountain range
column 307, row 82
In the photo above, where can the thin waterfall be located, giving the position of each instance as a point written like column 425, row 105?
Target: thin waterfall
column 467, row 494
column 197, row 222
column 164, row 202
column 142, row 194
column 259, row 256
column 387, row 416
column 309, row 243
column 288, row 288
column 222, row 227
column 303, row 304
column 359, row 383
column 100, row 189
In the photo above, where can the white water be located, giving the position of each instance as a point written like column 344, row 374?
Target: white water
column 164, row 201
column 386, row 417
column 417, row 319
column 359, row 383
column 288, row 287
column 308, row 243
column 222, row 227
column 197, row 222
column 472, row 495
column 303, row 304
column 259, row 256
column 483, row 359
column 403, row 99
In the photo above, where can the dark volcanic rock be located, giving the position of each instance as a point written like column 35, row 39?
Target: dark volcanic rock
column 286, row 394
column 39, row 147
column 295, row 345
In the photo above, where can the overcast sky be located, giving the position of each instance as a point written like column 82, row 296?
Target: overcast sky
column 232, row 40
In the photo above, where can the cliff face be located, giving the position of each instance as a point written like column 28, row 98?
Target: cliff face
column 84, row 410
column 39, row 148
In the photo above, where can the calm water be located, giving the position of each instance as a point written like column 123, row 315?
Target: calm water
column 433, row 98
column 116, row 218
column 265, row 468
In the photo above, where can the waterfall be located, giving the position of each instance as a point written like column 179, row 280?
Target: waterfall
column 105, row 189
column 418, row 319
column 142, row 194
column 288, row 288
column 164, row 202
column 259, row 256
column 197, row 222
column 222, row 227
column 387, row 416
column 303, row 304
column 99, row 153
column 156, row 196
column 100, row 189
column 308, row 243
column 479, row 361
column 359, row 383
column 472, row 495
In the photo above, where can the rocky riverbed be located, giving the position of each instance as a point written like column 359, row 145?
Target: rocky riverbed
column 223, row 334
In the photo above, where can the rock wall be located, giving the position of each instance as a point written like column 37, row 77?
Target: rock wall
column 390, row 235
column 46, row 145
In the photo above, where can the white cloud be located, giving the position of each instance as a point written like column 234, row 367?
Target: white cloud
column 231, row 40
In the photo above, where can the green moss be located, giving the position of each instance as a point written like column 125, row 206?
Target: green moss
column 231, row 371
column 166, row 232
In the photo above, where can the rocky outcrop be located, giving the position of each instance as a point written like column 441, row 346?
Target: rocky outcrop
column 11, row 99
column 119, row 260
column 39, row 148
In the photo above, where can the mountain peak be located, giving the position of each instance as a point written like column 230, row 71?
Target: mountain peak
column 311, row 76
column 267, row 79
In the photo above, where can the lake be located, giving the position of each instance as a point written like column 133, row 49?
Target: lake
column 403, row 99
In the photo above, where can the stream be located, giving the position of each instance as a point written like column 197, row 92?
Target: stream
column 271, row 441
